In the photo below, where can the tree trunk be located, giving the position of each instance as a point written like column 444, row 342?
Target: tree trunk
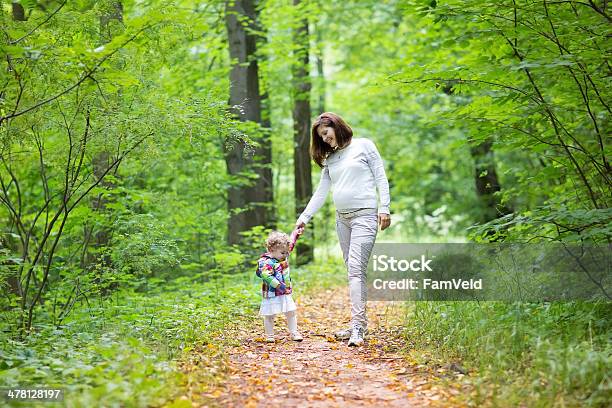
column 487, row 182
column 14, row 247
column 301, row 130
column 248, row 206
column 18, row 12
column 267, row 192
column 13, row 280
column 320, row 73
column 111, row 22
column 485, row 174
column 327, row 210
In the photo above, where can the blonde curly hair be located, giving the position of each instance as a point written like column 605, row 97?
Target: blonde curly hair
column 277, row 239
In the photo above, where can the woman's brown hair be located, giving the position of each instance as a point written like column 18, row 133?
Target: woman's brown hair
column 319, row 150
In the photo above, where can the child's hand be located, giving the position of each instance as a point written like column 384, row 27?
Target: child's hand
column 299, row 230
column 282, row 287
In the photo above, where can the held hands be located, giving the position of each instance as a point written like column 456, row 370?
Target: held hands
column 299, row 228
column 384, row 220
column 282, row 287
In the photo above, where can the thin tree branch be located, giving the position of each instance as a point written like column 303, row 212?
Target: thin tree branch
column 86, row 75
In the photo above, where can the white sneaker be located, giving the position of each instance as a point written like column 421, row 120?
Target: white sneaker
column 296, row 336
column 345, row 334
column 270, row 339
column 356, row 336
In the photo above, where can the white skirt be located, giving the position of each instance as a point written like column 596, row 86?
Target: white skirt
column 276, row 305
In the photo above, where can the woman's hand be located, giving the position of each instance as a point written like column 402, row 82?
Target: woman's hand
column 384, row 220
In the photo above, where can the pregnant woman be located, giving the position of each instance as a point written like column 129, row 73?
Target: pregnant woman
column 355, row 169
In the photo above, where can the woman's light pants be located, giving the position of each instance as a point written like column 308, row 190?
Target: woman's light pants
column 357, row 233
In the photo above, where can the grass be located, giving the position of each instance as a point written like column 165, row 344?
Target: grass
column 124, row 350
column 536, row 355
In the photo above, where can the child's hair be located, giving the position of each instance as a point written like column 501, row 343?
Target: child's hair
column 277, row 239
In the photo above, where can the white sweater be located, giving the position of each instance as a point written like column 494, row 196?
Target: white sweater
column 354, row 172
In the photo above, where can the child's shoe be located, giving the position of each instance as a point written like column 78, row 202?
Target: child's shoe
column 270, row 339
column 296, row 336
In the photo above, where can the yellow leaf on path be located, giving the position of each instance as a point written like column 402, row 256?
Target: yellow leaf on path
column 182, row 402
column 215, row 394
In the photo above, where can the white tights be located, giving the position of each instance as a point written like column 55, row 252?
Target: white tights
column 291, row 323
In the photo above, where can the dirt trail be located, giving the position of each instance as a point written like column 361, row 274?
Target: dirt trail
column 322, row 372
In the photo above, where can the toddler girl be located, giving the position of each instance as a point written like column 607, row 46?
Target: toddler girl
column 273, row 269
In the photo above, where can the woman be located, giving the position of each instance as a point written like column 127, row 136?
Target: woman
column 354, row 168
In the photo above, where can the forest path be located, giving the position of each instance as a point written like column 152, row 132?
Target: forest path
column 322, row 372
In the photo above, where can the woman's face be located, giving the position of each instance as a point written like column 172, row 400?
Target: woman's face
column 328, row 135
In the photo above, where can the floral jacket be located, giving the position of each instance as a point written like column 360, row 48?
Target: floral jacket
column 273, row 272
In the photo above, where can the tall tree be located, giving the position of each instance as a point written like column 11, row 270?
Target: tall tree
column 13, row 281
column 320, row 108
column 301, row 125
column 111, row 22
column 487, row 182
column 485, row 173
column 267, row 190
column 248, row 205
column 318, row 54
